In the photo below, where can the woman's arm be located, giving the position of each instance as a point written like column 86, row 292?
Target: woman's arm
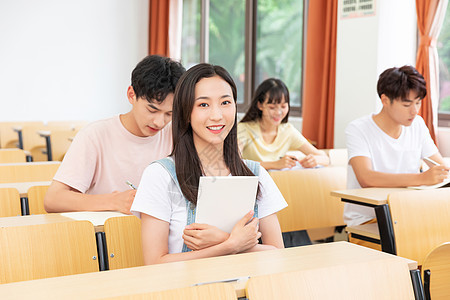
column 313, row 156
column 287, row 161
column 270, row 234
column 155, row 236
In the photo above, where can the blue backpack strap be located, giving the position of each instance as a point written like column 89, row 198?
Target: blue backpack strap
column 169, row 165
column 254, row 167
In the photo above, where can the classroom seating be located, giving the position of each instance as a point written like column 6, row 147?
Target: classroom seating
column 12, row 155
column 8, row 137
column 47, row 250
column 307, row 192
column 25, row 172
column 421, row 221
column 216, row 291
column 436, row 273
column 36, row 196
column 124, row 242
column 9, row 202
column 60, row 142
column 338, row 157
column 370, row 280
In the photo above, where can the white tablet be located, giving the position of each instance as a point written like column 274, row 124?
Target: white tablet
column 223, row 200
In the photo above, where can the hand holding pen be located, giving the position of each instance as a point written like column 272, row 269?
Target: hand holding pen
column 436, row 174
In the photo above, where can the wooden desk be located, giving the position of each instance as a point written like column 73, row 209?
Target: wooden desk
column 183, row 274
column 23, row 187
column 378, row 199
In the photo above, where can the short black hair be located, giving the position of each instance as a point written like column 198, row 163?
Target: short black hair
column 398, row 82
column 155, row 77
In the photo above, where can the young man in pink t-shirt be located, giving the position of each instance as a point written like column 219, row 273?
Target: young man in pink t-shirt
column 107, row 153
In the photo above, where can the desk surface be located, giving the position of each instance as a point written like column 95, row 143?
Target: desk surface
column 96, row 218
column 375, row 196
column 23, row 187
column 183, row 274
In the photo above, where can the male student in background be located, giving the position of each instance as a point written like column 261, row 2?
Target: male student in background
column 385, row 149
column 107, row 153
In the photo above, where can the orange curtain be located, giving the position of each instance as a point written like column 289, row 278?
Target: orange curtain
column 320, row 73
column 158, row 41
column 430, row 15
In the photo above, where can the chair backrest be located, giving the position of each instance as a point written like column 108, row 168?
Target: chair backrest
column 421, row 221
column 36, row 196
column 12, row 155
column 8, row 137
column 47, row 250
column 9, row 202
column 338, row 157
column 216, row 291
column 307, row 193
column 124, row 242
column 60, row 142
column 367, row 280
column 438, row 263
column 25, row 172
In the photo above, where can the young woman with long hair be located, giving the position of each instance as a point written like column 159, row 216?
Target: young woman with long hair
column 205, row 144
column 265, row 135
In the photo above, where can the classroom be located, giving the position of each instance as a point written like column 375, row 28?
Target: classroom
column 86, row 217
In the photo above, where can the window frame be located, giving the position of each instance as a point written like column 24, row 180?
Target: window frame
column 250, row 50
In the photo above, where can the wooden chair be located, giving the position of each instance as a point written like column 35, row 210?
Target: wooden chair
column 338, row 157
column 60, row 142
column 436, row 273
column 8, row 137
column 25, row 172
column 12, row 155
column 216, row 291
column 307, row 193
column 10, row 202
column 364, row 280
column 36, row 196
column 124, row 242
column 421, row 221
column 47, row 250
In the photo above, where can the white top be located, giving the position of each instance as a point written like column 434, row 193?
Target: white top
column 104, row 155
column 388, row 155
column 158, row 196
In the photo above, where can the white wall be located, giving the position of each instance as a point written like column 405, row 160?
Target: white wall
column 69, row 60
column 366, row 46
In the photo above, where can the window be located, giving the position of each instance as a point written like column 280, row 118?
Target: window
column 443, row 47
column 253, row 39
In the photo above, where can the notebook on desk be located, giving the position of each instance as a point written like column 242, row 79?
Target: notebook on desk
column 445, row 183
column 222, row 201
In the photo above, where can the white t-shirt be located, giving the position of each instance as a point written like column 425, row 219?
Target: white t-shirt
column 158, row 196
column 388, row 155
column 104, row 155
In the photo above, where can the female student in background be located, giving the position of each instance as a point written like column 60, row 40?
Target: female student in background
column 265, row 135
column 205, row 144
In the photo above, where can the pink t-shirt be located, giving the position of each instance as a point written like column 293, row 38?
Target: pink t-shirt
column 104, row 155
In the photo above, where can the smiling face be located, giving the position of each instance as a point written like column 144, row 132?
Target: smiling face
column 402, row 111
column 273, row 113
column 213, row 114
column 149, row 117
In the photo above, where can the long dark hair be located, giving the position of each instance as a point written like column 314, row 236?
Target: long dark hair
column 187, row 162
column 274, row 89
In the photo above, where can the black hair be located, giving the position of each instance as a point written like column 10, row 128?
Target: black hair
column 155, row 77
column 396, row 83
column 272, row 89
column 187, row 162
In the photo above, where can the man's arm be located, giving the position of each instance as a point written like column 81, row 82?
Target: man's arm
column 367, row 177
column 62, row 198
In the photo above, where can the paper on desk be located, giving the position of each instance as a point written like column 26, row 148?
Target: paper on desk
column 97, row 218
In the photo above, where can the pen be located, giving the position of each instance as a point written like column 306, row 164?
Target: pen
column 431, row 161
column 130, row 184
column 224, row 280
